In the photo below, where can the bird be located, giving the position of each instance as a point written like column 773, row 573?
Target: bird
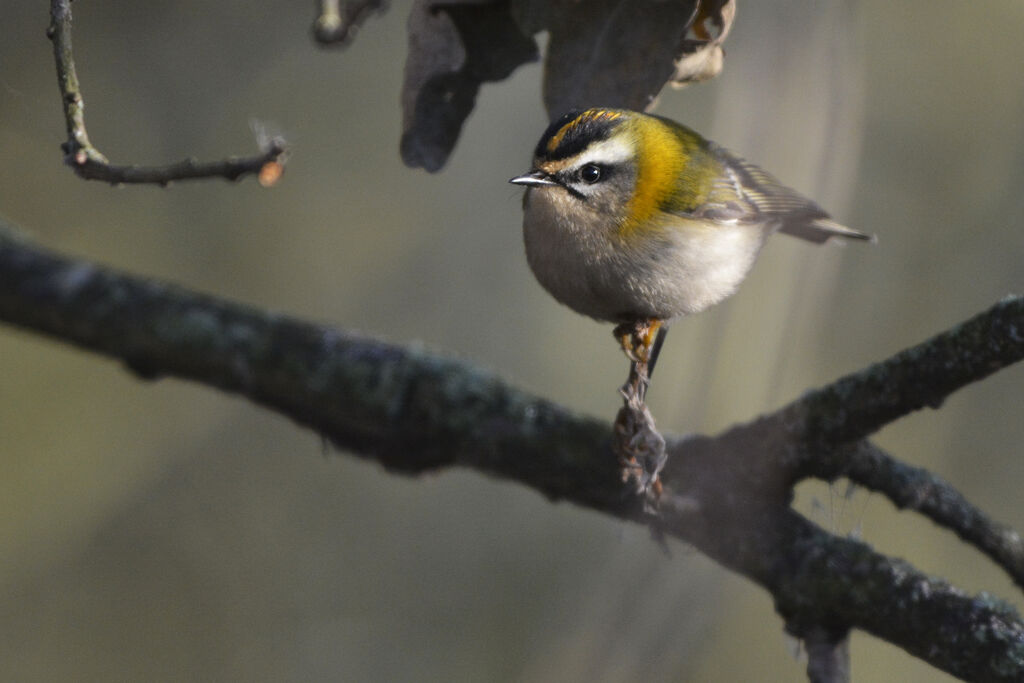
column 635, row 219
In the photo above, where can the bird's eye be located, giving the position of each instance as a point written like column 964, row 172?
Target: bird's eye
column 590, row 173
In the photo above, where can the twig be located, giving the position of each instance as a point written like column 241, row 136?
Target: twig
column 89, row 163
column 784, row 459
column 413, row 411
column 828, row 656
column 920, row 490
column 639, row 446
column 232, row 168
column 922, row 376
column 806, row 438
column 333, row 27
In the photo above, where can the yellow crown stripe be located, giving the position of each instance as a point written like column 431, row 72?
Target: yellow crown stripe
column 590, row 114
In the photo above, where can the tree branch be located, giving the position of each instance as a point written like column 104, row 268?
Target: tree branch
column 89, row 163
column 820, row 434
column 799, row 440
column 414, row 411
column 922, row 376
column 918, row 489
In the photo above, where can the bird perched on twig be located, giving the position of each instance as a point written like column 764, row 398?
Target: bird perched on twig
column 638, row 220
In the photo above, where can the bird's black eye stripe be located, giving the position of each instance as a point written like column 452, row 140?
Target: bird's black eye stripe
column 591, row 173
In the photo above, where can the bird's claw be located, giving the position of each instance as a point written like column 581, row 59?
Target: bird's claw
column 637, row 338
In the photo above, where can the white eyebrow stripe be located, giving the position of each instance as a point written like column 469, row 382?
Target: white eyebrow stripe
column 605, row 152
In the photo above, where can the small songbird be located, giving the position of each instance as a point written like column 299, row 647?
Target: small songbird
column 638, row 220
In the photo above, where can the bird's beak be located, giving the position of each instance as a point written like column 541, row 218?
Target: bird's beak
column 533, row 179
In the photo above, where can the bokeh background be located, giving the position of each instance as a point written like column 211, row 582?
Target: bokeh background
column 165, row 531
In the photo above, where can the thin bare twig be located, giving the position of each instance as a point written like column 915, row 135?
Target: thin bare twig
column 639, row 446
column 89, row 163
column 918, row 489
column 413, row 412
column 338, row 27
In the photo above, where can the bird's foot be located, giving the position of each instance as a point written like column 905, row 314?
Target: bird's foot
column 637, row 338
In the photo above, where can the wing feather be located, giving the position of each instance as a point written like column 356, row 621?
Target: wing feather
column 748, row 193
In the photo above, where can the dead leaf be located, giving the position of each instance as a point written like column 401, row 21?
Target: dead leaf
column 703, row 57
column 608, row 53
column 454, row 47
column 612, row 53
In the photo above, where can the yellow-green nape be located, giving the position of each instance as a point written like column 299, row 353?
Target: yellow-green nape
column 572, row 132
column 674, row 171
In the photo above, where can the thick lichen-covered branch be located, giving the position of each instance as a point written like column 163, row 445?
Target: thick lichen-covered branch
column 922, row 376
column 915, row 488
column 414, row 411
column 855, row 406
column 782, row 459
column 89, row 163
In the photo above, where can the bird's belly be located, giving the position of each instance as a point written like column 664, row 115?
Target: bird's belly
column 662, row 273
column 707, row 263
column 578, row 267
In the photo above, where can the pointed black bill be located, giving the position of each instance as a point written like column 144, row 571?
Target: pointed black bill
column 533, row 179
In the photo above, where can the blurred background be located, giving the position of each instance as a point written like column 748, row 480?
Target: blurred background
column 165, row 531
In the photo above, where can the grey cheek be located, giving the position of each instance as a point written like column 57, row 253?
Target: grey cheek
column 619, row 191
column 614, row 196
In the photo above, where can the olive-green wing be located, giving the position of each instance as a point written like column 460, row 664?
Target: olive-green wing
column 746, row 192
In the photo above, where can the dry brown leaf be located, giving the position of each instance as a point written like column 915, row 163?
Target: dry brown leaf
column 454, row 47
column 609, row 53
column 612, row 53
column 703, row 57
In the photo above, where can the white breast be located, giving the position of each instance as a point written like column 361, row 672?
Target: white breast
column 675, row 269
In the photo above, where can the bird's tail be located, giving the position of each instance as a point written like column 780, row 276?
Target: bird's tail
column 821, row 229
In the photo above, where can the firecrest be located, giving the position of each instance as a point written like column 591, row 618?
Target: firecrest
column 638, row 220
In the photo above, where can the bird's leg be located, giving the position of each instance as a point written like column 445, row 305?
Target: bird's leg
column 656, row 350
column 638, row 339
column 641, row 342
